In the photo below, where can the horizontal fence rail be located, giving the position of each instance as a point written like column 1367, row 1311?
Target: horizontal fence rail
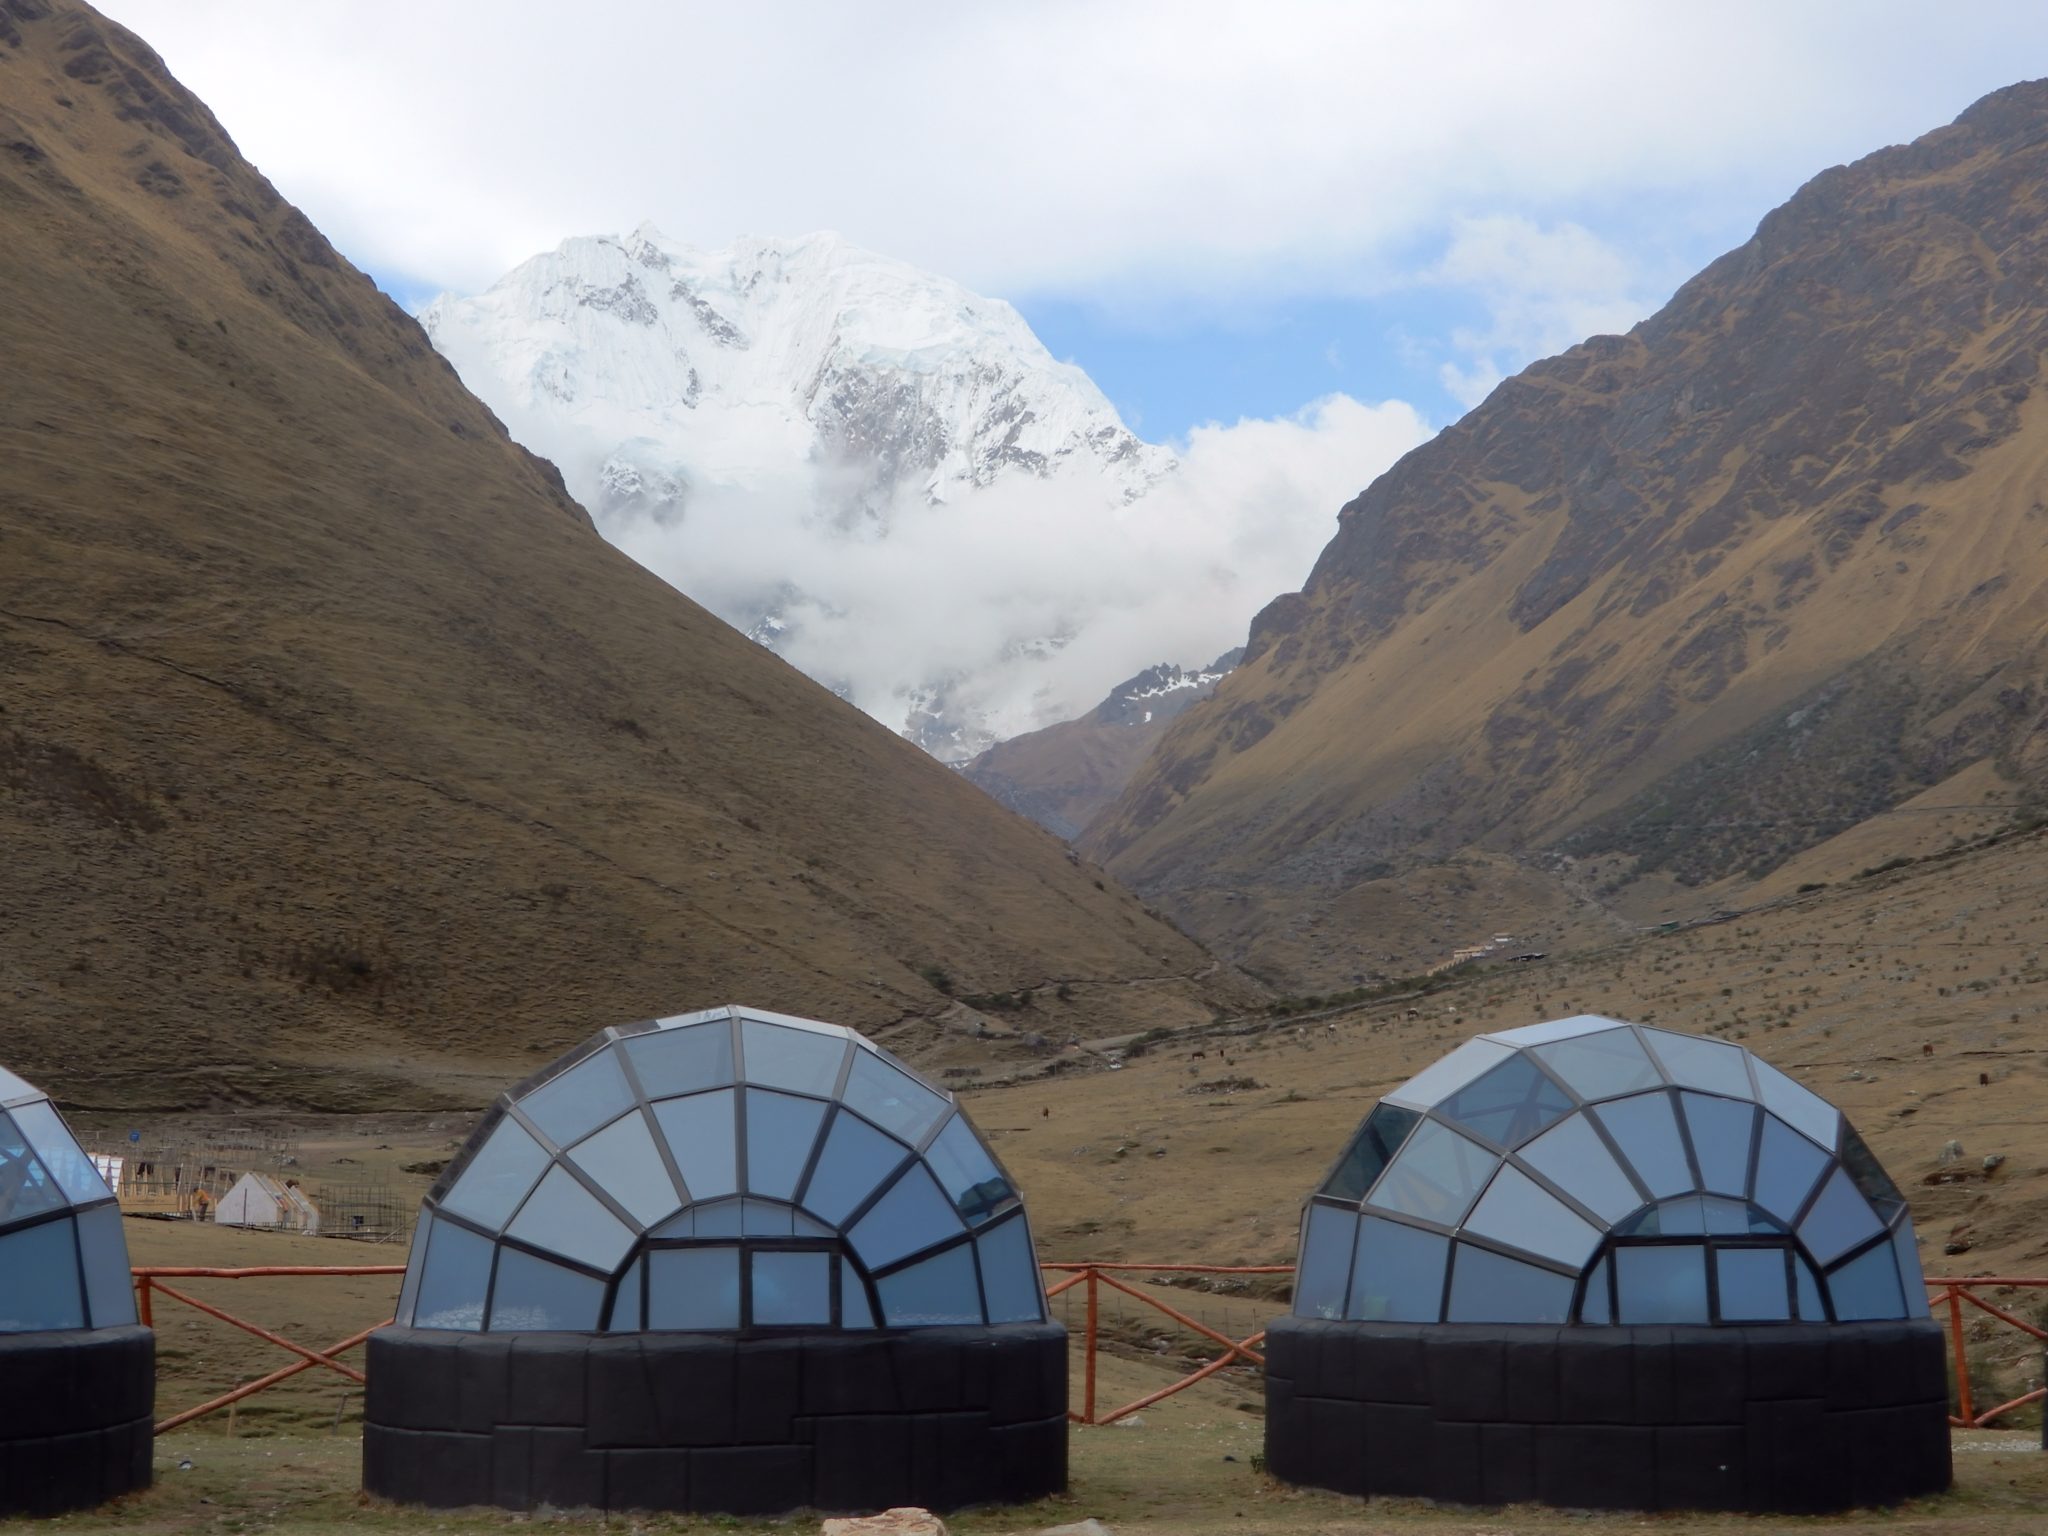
column 1945, row 1295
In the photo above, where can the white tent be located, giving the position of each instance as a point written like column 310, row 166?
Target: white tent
column 258, row 1200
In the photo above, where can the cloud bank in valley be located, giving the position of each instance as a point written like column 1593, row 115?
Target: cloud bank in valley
column 1032, row 592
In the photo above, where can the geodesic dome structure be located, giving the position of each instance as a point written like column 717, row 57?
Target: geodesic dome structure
column 1591, row 1171
column 1615, row 1184
column 78, row 1373
column 728, row 1190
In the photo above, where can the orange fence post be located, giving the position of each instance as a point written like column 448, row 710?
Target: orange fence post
column 1088, row 1378
column 1964, row 1406
column 143, row 1309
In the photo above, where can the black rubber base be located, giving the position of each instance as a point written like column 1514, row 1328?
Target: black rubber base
column 75, row 1418
column 1794, row 1419
column 938, row 1417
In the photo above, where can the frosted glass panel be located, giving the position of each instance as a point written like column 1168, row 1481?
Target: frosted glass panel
column 505, row 1167
column 939, row 1290
column 39, row 1279
column 1603, row 1065
column 573, row 1105
column 109, row 1287
column 1324, row 1271
column 700, row 1136
column 1572, row 1156
column 1009, row 1273
column 624, row 1161
column 1425, row 1088
column 914, row 1214
column 790, row 1289
column 780, row 1133
column 1509, row 1104
column 457, row 1274
column 677, row 1061
column 564, row 1217
column 1436, row 1176
column 1840, row 1219
column 1556, row 1029
column 532, row 1295
column 1697, row 1063
column 12, row 1087
column 795, row 1059
column 1661, row 1285
column 1721, row 1130
column 1398, row 1275
column 1646, row 1130
column 889, row 1098
column 72, row 1169
column 1487, row 1288
column 693, row 1288
column 1518, row 1212
column 855, row 1161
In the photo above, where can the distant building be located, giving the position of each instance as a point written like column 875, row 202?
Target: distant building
column 258, row 1200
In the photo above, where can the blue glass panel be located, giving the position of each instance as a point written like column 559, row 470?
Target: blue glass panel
column 26, row 1188
column 969, row 1174
column 721, row 1218
column 939, row 1290
column 39, row 1279
column 589, row 1094
column 1323, row 1272
column 1808, row 1286
column 505, row 1167
column 1661, row 1285
column 1867, row 1287
column 1436, row 1176
column 1753, row 1284
column 1799, row 1107
column 1787, row 1164
column 700, row 1136
column 914, row 1214
column 1487, row 1288
column 1602, row 1065
column 1912, row 1281
column 693, row 1288
column 780, row 1133
column 626, row 1305
column 767, row 1218
column 791, row 1289
column 854, row 1311
column 1597, row 1304
column 678, row 1061
column 1516, row 1211
column 1839, row 1219
column 1371, row 1149
column 415, row 1261
column 453, row 1283
column 73, row 1170
column 1696, row 1063
column 1646, row 1130
column 535, row 1296
column 1874, row 1183
column 1398, row 1276
column 1509, row 1104
column 892, row 1099
column 1009, row 1273
column 856, row 1160
column 1574, row 1158
column 1449, row 1073
column 626, row 1165
column 1720, row 1130
column 109, row 1285
column 797, row 1059
column 564, row 1217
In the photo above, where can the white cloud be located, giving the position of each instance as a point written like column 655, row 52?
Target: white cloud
column 963, row 588
column 1100, row 147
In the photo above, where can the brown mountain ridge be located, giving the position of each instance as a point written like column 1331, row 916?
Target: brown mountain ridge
column 341, row 763
column 1665, row 613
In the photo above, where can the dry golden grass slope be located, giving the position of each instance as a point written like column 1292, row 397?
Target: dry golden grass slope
column 1681, row 603
column 341, row 763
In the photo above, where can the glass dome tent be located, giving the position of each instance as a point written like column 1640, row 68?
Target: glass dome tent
column 1657, row 1236
column 80, row 1374
column 732, row 1175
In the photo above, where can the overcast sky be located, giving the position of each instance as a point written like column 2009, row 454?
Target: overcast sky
column 1218, row 210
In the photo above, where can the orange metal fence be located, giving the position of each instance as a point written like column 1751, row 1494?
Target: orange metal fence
column 1952, row 1295
column 1948, row 1295
column 149, row 1284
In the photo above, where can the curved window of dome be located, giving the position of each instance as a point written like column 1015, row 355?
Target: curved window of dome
column 1437, row 1175
column 63, row 1257
column 1378, row 1138
column 1603, row 1065
column 1508, row 1104
column 1645, row 1128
